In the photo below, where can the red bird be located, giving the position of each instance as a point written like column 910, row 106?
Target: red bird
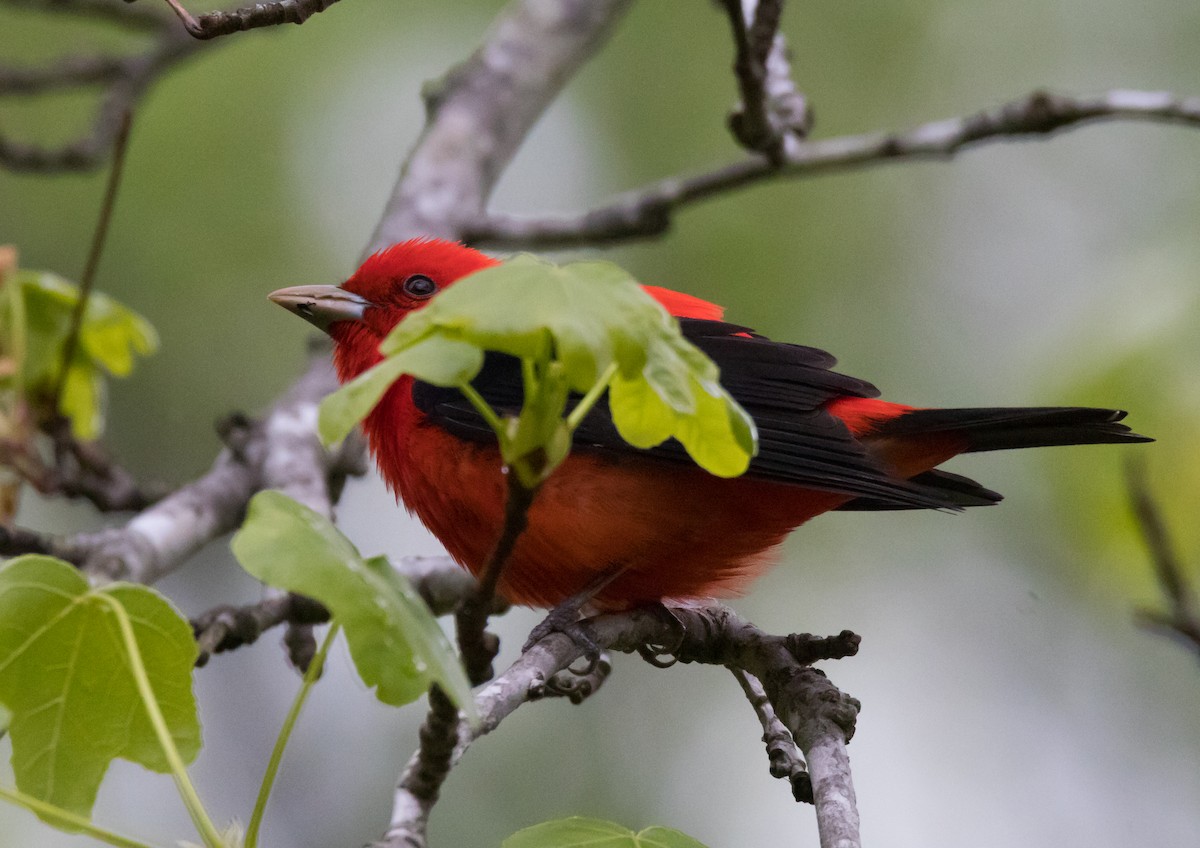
column 670, row 529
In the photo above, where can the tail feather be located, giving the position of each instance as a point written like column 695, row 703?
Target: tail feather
column 1002, row 428
column 956, row 490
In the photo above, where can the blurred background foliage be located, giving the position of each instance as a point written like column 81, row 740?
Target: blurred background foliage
column 1009, row 699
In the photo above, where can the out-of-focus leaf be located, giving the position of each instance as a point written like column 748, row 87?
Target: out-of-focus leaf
column 109, row 336
column 580, row 832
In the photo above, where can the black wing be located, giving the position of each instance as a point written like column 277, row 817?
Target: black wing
column 782, row 386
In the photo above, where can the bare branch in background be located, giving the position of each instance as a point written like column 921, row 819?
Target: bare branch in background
column 773, row 115
column 159, row 539
column 125, row 79
column 480, row 113
column 259, row 15
column 647, row 212
column 1182, row 617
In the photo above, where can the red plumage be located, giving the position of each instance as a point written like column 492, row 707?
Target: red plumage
column 676, row 531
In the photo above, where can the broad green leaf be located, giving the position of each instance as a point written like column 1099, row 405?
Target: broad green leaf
column 585, row 314
column 395, row 642
column 584, row 317
column 580, row 832
column 65, row 678
column 437, row 360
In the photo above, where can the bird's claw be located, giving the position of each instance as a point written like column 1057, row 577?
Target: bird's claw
column 564, row 619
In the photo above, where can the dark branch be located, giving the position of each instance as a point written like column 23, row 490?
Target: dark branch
column 477, row 646
column 259, row 15
column 647, row 212
column 225, row 628
column 440, row 582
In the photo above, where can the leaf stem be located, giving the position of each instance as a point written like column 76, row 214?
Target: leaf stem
column 589, row 400
column 195, row 807
column 66, row 820
column 285, row 732
column 485, row 409
column 120, row 145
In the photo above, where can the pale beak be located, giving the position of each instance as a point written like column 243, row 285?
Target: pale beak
column 321, row 305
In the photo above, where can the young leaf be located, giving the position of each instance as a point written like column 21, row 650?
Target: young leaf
column 109, row 336
column 65, row 678
column 437, row 360
column 584, row 317
column 580, row 832
column 395, row 642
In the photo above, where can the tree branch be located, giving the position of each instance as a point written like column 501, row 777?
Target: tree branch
column 782, row 752
column 481, row 111
column 259, row 15
column 126, row 80
column 282, row 449
column 647, row 212
column 773, row 115
column 818, row 716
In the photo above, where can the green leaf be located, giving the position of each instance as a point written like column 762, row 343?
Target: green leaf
column 580, row 832
column 585, row 314
column 437, row 360
column 395, row 642
column 65, row 678
column 585, row 317
column 109, row 336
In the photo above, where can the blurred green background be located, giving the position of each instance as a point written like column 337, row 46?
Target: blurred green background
column 1009, row 698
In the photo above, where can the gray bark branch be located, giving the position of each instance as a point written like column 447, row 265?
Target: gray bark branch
column 647, row 212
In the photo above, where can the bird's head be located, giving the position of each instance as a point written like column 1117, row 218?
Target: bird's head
column 397, row 280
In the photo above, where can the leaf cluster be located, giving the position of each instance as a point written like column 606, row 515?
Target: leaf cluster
column 36, row 309
column 578, row 329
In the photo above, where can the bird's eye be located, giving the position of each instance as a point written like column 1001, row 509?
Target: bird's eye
column 420, row 286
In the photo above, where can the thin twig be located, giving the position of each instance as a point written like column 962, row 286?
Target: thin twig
column 99, row 237
column 439, row 580
column 127, row 78
column 1182, row 618
column 259, row 15
column 477, row 646
column 773, row 115
column 785, row 759
column 647, row 212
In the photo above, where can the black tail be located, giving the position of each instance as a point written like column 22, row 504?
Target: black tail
column 999, row 429
column 1018, row 427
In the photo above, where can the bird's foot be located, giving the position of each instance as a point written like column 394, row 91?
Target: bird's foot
column 564, row 619
column 664, row 655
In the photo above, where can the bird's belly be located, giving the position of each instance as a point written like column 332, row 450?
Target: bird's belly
column 673, row 532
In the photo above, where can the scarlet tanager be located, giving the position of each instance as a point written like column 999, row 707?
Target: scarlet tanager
column 672, row 530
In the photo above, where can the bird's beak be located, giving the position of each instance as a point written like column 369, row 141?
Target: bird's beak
column 321, row 305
